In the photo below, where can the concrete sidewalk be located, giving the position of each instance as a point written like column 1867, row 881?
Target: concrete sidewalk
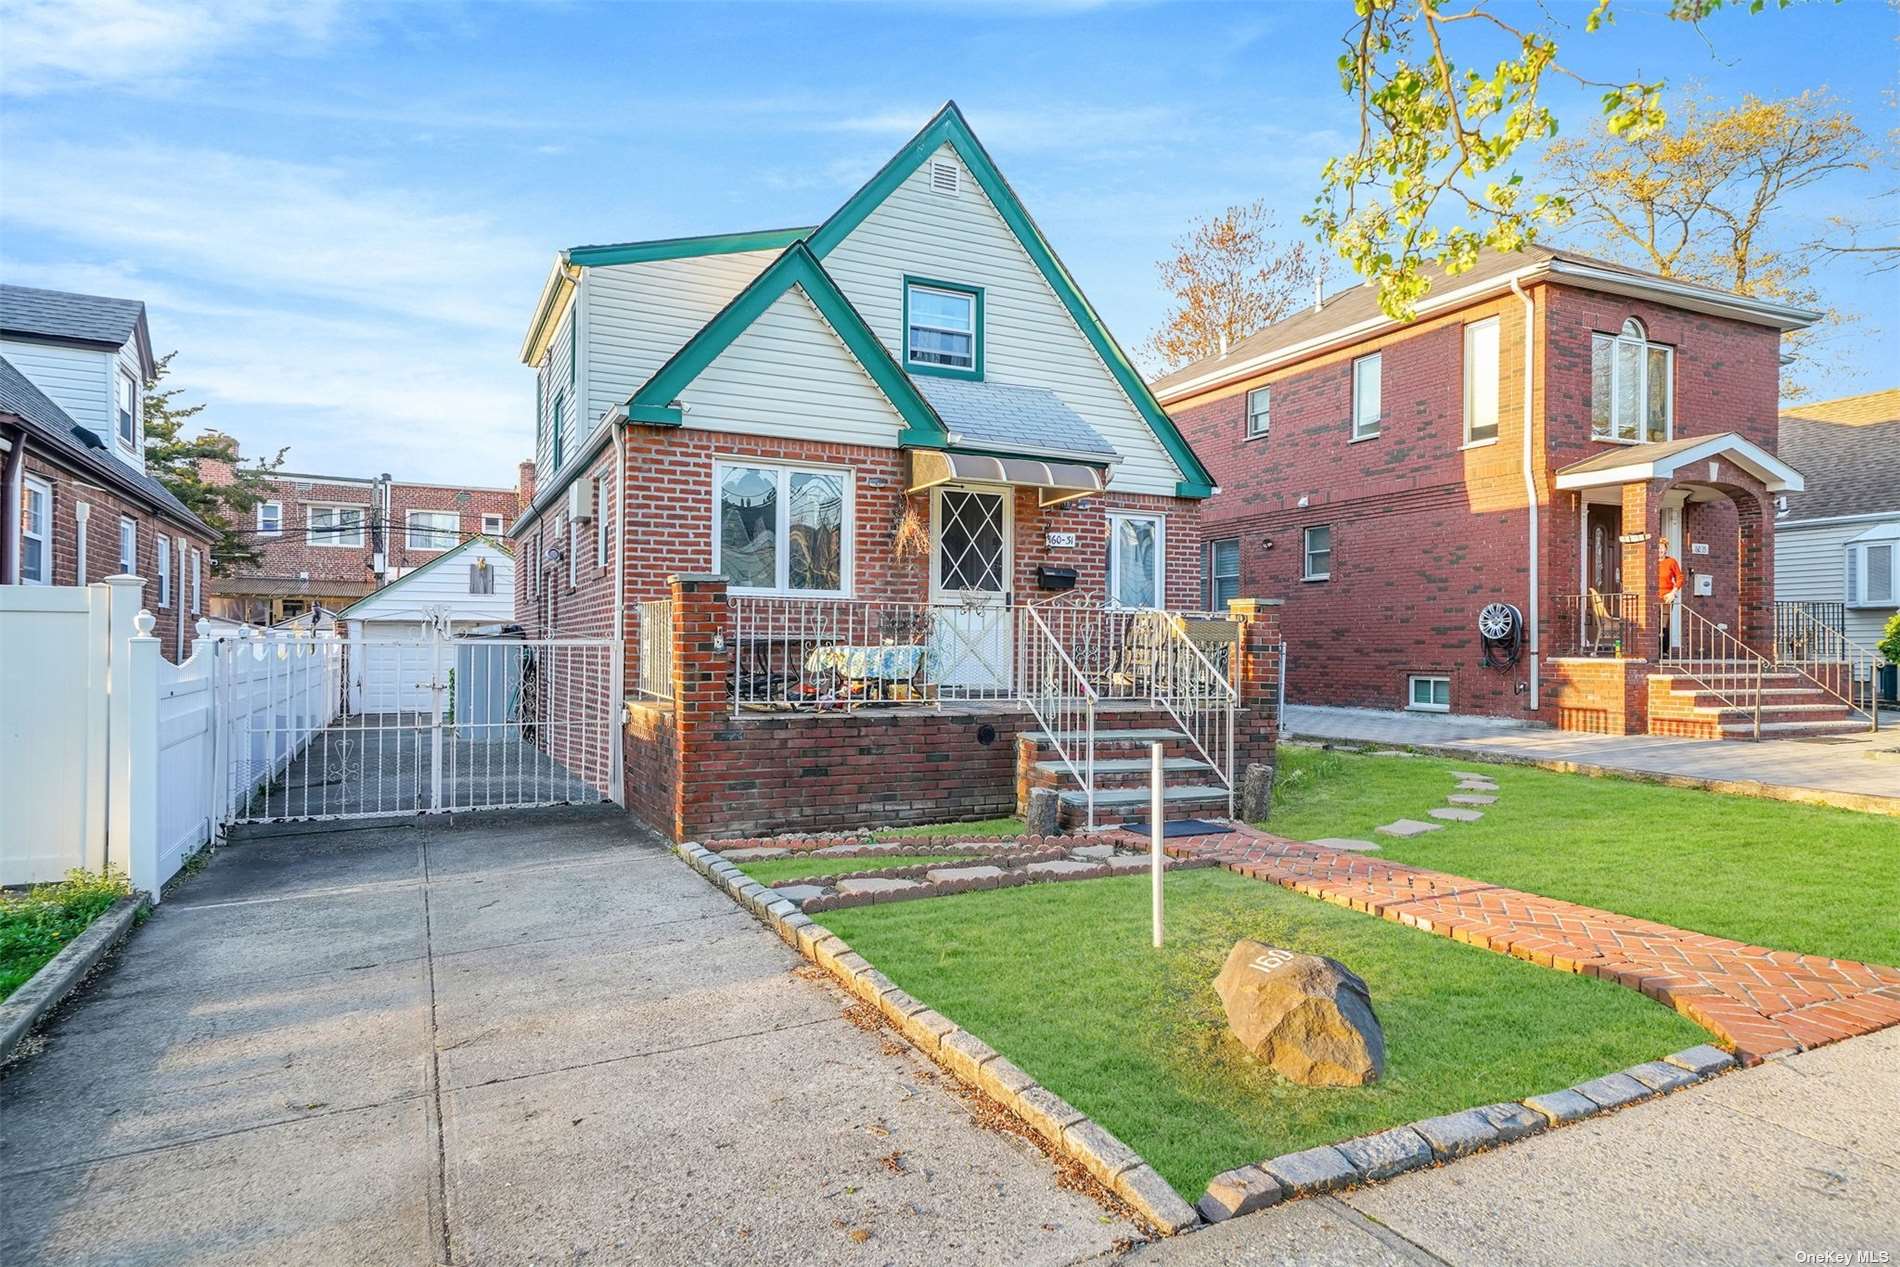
column 1797, row 1155
column 527, row 1040
column 1859, row 772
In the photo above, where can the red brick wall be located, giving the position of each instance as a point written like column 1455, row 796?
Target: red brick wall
column 1426, row 532
column 1602, row 697
column 176, row 621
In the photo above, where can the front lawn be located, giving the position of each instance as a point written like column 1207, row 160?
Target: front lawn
column 985, row 829
column 1794, row 877
column 1061, row 979
column 35, row 925
column 774, row 870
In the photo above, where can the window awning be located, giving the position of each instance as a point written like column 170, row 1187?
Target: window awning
column 1057, row 482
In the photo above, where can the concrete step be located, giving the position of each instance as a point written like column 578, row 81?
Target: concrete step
column 1780, row 712
column 1120, row 772
column 1113, row 738
column 1129, row 805
column 1745, row 729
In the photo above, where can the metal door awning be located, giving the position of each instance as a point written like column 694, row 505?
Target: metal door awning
column 1055, row 482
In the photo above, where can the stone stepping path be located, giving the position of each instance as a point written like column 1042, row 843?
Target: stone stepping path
column 1456, row 815
column 1471, row 798
column 1405, row 827
column 1347, row 843
column 1763, row 1002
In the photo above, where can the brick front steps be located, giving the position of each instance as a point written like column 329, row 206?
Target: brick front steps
column 1759, row 1001
column 1792, row 707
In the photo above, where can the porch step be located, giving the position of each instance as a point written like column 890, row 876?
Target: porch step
column 1106, row 738
column 1128, row 805
column 1795, row 729
column 1122, row 772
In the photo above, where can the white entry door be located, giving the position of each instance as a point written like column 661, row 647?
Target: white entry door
column 1672, row 533
column 970, row 561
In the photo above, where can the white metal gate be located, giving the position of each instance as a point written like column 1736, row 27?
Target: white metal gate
column 327, row 728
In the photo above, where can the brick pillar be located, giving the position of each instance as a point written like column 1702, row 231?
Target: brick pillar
column 1755, row 561
column 1257, row 719
column 1642, row 513
column 702, row 697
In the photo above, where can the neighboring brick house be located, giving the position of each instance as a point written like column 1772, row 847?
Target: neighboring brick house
column 869, row 447
column 1378, row 477
column 78, row 505
column 328, row 540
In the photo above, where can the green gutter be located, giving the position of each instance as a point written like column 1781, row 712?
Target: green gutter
column 684, row 248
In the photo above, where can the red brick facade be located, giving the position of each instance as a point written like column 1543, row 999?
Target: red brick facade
column 300, row 567
column 170, row 603
column 1426, row 529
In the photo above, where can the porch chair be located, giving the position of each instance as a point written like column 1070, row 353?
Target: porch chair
column 1605, row 626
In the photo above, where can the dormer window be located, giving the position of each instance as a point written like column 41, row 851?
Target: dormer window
column 128, row 410
column 943, row 328
column 1632, row 386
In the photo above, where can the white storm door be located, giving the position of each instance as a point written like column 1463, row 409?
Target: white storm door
column 970, row 561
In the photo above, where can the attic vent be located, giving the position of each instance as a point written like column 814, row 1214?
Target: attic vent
column 945, row 178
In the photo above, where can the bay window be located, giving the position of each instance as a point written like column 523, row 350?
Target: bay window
column 1135, row 552
column 1632, row 386
column 782, row 529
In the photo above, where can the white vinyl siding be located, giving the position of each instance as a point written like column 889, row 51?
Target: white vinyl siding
column 78, row 380
column 789, row 374
column 638, row 315
column 1481, row 381
column 1028, row 335
column 443, row 586
column 1811, row 566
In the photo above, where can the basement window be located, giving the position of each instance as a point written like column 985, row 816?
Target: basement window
column 1430, row 694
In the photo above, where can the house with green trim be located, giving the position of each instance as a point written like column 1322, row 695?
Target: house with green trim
column 908, row 417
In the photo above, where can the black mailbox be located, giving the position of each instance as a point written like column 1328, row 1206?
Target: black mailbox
column 1049, row 578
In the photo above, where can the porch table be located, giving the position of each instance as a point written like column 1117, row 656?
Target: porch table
column 887, row 663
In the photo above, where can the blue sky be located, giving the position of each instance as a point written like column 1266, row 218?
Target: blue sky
column 341, row 214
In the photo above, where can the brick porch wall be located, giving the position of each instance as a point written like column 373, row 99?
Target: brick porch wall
column 1601, row 697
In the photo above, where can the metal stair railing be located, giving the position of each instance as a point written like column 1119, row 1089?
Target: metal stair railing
column 1061, row 699
column 1715, row 660
column 1822, row 654
column 1200, row 699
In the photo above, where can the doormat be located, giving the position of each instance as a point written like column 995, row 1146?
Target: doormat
column 1181, row 827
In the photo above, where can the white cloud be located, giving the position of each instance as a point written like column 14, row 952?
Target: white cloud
column 56, row 45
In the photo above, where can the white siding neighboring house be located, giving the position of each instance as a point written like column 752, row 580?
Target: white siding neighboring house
column 1840, row 540
column 90, row 354
column 469, row 586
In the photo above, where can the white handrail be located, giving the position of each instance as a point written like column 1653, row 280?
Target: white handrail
column 1061, row 699
column 1832, row 661
column 1189, row 681
column 1717, row 661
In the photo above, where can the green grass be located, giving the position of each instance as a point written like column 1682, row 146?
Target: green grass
column 1796, row 877
column 36, row 924
column 1061, row 979
column 985, row 829
column 773, row 870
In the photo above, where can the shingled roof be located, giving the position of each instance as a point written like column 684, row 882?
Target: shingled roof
column 1011, row 418
column 68, row 317
column 1849, row 449
column 54, row 429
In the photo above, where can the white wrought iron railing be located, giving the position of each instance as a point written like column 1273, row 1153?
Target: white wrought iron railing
column 1061, row 700
column 1715, row 660
column 1821, row 653
column 1201, row 699
column 654, row 629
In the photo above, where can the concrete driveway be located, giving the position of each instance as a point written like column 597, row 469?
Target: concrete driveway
column 540, row 1039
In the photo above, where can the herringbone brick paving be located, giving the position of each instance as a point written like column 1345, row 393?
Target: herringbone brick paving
column 1763, row 1002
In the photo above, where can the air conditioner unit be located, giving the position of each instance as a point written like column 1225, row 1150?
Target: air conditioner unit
column 580, row 506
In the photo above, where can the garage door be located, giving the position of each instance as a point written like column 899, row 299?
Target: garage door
column 395, row 676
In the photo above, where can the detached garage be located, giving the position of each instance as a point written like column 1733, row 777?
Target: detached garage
column 396, row 660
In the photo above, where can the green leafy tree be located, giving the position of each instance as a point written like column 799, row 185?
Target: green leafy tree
column 178, row 462
column 1447, row 96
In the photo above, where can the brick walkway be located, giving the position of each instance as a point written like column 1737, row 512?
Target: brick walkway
column 1764, row 1002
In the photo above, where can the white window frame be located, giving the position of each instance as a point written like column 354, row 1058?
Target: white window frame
column 782, row 586
column 1376, row 361
column 970, row 297
column 125, row 413
column 1480, row 378
column 1306, row 553
column 329, row 539
column 277, row 516
column 1214, row 601
column 197, row 577
column 1633, row 334
column 1261, row 413
column 603, row 518
column 32, row 487
column 128, row 546
column 1115, row 520
column 494, row 525
column 164, row 570
column 430, row 535
column 81, row 536
column 1430, row 705
column 1860, row 559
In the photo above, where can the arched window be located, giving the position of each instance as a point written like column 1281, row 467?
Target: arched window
column 1632, row 386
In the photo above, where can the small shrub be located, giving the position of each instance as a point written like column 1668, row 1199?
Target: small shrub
column 36, row 924
column 1889, row 644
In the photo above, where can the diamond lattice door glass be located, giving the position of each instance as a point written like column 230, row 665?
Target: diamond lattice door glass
column 970, row 542
column 970, row 620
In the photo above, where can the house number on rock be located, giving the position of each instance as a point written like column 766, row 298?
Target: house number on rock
column 1061, row 540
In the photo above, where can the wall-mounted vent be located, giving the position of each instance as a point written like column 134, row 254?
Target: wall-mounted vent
column 945, row 178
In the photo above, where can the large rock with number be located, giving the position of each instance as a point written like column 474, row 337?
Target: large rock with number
column 1309, row 1017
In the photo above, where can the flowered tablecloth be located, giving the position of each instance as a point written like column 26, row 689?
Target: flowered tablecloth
column 896, row 663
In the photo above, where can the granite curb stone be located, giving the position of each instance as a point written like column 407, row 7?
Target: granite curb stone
column 1613, row 1090
column 1239, row 1191
column 1311, row 1170
column 1660, row 1075
column 1388, row 1153
column 1702, row 1060
column 1561, row 1108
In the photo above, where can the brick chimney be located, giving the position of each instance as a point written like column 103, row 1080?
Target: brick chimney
column 524, row 485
